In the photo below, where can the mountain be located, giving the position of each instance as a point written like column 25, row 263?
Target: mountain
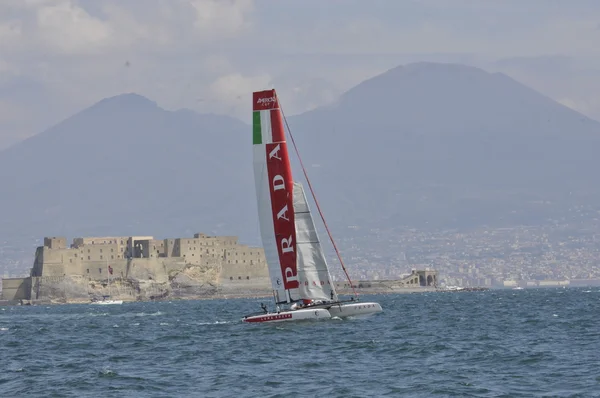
column 126, row 166
column 448, row 145
column 426, row 145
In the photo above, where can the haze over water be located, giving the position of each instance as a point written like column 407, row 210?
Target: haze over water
column 541, row 342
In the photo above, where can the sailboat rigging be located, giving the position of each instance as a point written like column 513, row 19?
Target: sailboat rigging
column 299, row 273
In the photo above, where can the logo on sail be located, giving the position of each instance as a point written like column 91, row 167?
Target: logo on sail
column 266, row 101
column 282, row 207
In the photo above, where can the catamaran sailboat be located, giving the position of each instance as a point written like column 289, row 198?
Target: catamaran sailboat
column 297, row 267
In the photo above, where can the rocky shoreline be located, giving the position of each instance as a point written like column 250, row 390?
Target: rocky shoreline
column 231, row 294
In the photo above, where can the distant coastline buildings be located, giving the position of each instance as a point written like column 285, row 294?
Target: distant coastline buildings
column 222, row 260
column 142, row 267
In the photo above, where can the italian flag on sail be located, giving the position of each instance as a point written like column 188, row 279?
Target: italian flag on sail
column 274, row 192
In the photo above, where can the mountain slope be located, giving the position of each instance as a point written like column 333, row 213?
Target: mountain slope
column 427, row 145
column 126, row 166
column 448, row 145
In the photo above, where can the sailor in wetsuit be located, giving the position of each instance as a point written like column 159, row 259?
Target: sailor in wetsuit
column 264, row 307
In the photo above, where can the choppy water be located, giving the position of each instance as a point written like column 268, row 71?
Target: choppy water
column 543, row 342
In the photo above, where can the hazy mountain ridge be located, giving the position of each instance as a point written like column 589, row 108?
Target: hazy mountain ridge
column 455, row 141
column 423, row 144
column 128, row 166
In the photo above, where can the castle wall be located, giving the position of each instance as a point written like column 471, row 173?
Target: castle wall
column 98, row 269
column 195, row 263
column 55, row 242
column 244, row 267
column 131, row 244
column 169, row 245
column 53, row 261
column 151, row 248
column 16, row 288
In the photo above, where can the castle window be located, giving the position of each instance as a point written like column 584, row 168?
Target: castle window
column 88, row 250
column 75, row 255
column 99, row 270
column 88, row 257
column 239, row 278
column 101, row 251
column 112, row 257
column 88, row 270
column 70, row 260
column 111, row 250
column 247, row 277
column 100, row 257
column 231, row 278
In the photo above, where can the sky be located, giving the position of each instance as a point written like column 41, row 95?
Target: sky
column 58, row 57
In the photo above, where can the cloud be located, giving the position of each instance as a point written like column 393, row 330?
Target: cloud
column 10, row 112
column 587, row 106
column 234, row 92
column 71, row 27
column 209, row 55
column 505, row 28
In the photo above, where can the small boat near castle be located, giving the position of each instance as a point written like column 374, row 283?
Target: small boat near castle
column 299, row 273
column 106, row 301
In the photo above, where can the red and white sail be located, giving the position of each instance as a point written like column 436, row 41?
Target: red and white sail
column 274, row 194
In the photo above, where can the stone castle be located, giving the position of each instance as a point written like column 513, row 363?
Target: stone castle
column 142, row 267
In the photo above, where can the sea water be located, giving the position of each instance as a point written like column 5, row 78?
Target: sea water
column 511, row 343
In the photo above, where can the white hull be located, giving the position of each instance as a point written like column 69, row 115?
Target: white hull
column 285, row 316
column 107, row 302
column 345, row 310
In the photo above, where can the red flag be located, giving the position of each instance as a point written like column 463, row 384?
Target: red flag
column 110, row 270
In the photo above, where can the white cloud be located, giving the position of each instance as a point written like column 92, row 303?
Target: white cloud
column 66, row 28
column 209, row 55
column 216, row 18
column 587, row 106
column 234, row 92
column 84, row 27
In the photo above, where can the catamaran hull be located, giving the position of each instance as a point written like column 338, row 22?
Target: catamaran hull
column 285, row 316
column 354, row 309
